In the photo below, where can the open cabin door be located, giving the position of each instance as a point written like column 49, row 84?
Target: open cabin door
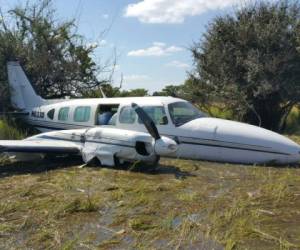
column 106, row 114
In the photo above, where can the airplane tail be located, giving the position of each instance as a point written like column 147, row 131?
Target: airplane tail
column 22, row 94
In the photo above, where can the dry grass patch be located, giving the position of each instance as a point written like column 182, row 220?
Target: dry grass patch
column 184, row 204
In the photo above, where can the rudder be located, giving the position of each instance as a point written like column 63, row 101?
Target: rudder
column 22, row 94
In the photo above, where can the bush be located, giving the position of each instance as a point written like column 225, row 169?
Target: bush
column 9, row 131
column 293, row 121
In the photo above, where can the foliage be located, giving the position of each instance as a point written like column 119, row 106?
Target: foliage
column 54, row 56
column 134, row 92
column 111, row 91
column 8, row 131
column 250, row 62
column 170, row 90
column 292, row 121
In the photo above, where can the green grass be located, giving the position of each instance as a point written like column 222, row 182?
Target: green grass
column 183, row 204
column 8, row 132
column 293, row 121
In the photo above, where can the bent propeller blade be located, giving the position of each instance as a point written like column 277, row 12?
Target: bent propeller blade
column 147, row 121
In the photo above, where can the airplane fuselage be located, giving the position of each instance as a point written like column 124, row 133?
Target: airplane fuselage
column 199, row 137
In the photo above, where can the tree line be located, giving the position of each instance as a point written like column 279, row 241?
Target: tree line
column 247, row 62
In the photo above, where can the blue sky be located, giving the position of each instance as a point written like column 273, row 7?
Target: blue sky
column 151, row 37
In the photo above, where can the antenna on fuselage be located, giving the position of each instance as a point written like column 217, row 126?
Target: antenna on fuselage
column 102, row 92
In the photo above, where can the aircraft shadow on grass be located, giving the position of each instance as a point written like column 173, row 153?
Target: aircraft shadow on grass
column 19, row 168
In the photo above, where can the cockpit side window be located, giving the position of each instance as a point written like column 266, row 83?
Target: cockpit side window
column 183, row 112
column 127, row 115
column 50, row 114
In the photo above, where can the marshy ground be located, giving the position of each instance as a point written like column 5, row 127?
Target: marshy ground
column 181, row 205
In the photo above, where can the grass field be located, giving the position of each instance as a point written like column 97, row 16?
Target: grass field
column 182, row 205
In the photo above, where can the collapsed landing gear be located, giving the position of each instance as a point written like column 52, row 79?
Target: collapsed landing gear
column 94, row 162
column 152, row 166
column 138, row 166
column 120, row 163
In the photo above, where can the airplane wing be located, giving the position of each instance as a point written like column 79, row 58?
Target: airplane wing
column 42, row 146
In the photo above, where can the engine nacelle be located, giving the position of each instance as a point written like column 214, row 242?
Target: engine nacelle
column 106, row 144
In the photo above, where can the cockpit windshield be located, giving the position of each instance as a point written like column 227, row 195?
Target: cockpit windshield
column 183, row 112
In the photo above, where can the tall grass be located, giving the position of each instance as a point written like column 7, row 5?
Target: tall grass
column 9, row 131
column 293, row 121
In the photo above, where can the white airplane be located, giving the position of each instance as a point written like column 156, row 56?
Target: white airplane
column 117, row 130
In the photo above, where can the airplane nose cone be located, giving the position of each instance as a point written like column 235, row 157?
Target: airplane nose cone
column 243, row 143
column 271, row 146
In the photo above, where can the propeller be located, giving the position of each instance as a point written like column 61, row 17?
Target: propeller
column 147, row 121
column 162, row 145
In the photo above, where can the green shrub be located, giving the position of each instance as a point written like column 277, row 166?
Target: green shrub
column 293, row 121
column 9, row 131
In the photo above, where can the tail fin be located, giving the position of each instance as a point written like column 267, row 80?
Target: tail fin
column 22, row 94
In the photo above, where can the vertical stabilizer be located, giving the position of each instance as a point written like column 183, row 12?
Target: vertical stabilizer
column 22, row 94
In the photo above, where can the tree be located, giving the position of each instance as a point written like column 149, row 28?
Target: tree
column 134, row 92
column 111, row 91
column 250, row 61
column 55, row 57
column 107, row 89
column 170, row 90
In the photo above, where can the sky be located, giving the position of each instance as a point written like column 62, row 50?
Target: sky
column 150, row 38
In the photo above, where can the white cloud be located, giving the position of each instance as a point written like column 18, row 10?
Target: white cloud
column 178, row 64
column 135, row 78
column 159, row 44
column 173, row 49
column 173, row 11
column 105, row 16
column 157, row 49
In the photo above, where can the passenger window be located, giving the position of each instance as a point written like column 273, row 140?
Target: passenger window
column 127, row 115
column 82, row 114
column 63, row 114
column 51, row 113
column 157, row 114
